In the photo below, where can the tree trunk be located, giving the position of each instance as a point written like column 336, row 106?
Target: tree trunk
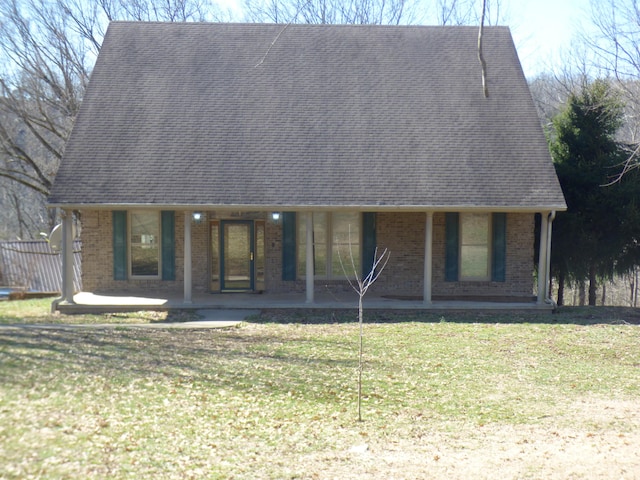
column 561, row 289
column 360, row 319
column 593, row 286
column 604, row 294
column 582, row 294
column 633, row 286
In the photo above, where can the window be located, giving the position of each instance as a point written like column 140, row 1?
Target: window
column 336, row 238
column 144, row 259
column 475, row 246
column 475, row 250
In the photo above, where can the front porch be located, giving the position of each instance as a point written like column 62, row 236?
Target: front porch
column 89, row 302
column 417, row 277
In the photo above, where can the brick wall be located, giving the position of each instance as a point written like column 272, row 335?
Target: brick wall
column 402, row 233
column 97, row 257
column 97, row 254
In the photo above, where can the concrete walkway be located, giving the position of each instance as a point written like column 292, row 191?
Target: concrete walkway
column 210, row 319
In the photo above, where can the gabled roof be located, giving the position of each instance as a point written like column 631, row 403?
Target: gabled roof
column 267, row 116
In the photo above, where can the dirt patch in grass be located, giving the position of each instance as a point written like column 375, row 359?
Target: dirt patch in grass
column 597, row 441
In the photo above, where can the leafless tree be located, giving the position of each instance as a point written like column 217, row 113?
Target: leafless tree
column 330, row 11
column 615, row 47
column 389, row 12
column 361, row 286
column 469, row 12
column 47, row 51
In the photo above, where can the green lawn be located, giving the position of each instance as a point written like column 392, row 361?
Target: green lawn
column 444, row 396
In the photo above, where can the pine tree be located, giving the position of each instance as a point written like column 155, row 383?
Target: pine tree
column 601, row 222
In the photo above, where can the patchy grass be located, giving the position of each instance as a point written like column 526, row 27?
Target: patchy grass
column 38, row 311
column 445, row 396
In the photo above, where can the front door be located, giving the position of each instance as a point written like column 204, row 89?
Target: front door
column 238, row 255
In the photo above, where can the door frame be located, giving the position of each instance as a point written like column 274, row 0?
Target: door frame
column 252, row 249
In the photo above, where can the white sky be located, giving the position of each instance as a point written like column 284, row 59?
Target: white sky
column 543, row 29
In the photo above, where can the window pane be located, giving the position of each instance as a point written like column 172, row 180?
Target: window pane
column 237, row 255
column 320, row 258
column 474, row 245
column 341, row 254
column 259, row 263
column 144, row 260
column 332, row 235
column 346, row 227
column 145, row 251
column 215, row 257
column 346, row 244
column 475, row 228
column 319, row 243
column 301, row 237
column 320, row 229
column 474, row 262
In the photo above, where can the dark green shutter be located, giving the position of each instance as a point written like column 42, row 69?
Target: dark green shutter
column 168, row 227
column 288, row 246
column 499, row 247
column 119, row 245
column 368, row 241
column 452, row 243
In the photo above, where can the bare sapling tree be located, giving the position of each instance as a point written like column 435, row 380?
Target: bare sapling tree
column 361, row 286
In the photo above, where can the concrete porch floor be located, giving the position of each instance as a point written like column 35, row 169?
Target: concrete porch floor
column 89, row 302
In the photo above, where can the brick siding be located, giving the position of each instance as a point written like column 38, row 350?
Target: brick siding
column 402, row 233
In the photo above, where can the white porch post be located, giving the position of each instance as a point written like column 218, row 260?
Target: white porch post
column 428, row 259
column 187, row 257
column 547, row 279
column 542, row 258
column 67, row 256
column 310, row 268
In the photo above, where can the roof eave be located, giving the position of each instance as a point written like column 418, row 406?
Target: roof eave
column 282, row 207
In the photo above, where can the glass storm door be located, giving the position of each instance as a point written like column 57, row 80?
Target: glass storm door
column 237, row 262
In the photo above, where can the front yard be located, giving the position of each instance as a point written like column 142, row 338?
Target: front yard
column 445, row 396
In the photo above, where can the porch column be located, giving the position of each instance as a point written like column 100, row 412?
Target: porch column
column 310, row 267
column 67, row 256
column 187, row 257
column 428, row 259
column 542, row 258
column 547, row 280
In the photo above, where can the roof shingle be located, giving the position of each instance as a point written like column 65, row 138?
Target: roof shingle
column 269, row 116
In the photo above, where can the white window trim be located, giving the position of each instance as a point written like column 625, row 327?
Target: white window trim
column 130, row 249
column 329, row 243
column 489, row 249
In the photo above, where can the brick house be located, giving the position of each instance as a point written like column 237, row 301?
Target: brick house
column 215, row 158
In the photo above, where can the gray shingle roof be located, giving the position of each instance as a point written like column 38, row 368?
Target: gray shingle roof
column 306, row 116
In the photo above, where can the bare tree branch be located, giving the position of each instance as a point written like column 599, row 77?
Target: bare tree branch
column 483, row 63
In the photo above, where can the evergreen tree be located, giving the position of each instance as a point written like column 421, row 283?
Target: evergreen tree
column 601, row 224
